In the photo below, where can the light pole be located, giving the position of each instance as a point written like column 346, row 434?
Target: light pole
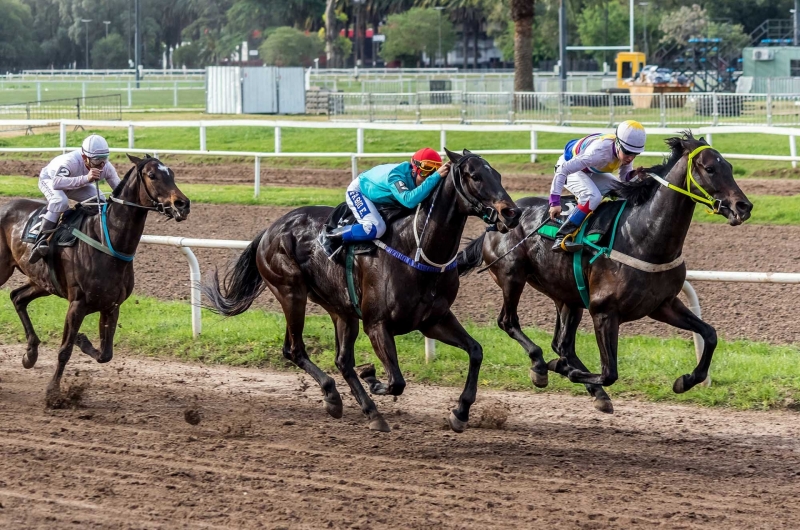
column 86, row 21
column 106, row 22
column 644, row 29
column 137, row 42
column 795, row 13
column 439, row 9
column 359, row 39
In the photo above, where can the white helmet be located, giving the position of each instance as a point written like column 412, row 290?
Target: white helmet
column 95, row 146
column 631, row 136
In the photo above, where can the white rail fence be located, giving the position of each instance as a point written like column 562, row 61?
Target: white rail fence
column 360, row 127
column 186, row 244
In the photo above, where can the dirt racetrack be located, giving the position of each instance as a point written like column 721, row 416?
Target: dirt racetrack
column 266, row 455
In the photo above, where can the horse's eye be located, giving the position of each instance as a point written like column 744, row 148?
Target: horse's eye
column 152, row 175
column 476, row 177
column 709, row 169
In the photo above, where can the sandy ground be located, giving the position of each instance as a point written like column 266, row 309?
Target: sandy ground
column 266, row 455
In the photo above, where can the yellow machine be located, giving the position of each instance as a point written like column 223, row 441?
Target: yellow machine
column 628, row 65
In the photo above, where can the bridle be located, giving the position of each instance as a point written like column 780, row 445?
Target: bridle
column 165, row 210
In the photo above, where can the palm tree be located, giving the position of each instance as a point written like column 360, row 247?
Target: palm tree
column 522, row 15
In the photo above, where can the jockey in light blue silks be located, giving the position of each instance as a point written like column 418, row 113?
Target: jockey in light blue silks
column 586, row 169
column 407, row 184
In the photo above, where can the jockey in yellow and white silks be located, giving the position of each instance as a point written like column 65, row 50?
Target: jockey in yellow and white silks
column 587, row 170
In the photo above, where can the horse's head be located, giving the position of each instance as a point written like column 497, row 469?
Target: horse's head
column 157, row 188
column 480, row 191
column 709, row 172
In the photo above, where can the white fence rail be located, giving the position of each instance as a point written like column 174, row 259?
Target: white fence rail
column 186, row 244
column 360, row 127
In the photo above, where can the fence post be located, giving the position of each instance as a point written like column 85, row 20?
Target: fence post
column 360, row 140
column 769, row 109
column 277, row 139
column 62, row 135
column 534, row 143
column 430, row 350
column 130, row 136
column 610, row 109
column 175, row 95
column 561, row 97
column 694, row 307
column 418, row 99
column 194, row 281
column 442, row 139
column 663, row 103
column 793, row 149
column 354, row 165
column 39, row 91
column 130, row 98
column 203, row 143
column 369, row 106
column 715, row 101
column 708, row 138
column 464, row 106
column 257, row 179
column 83, row 90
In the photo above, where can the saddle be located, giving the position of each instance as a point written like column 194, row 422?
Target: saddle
column 343, row 216
column 598, row 225
column 63, row 237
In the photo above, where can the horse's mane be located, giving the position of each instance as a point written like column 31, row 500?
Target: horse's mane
column 641, row 192
column 124, row 181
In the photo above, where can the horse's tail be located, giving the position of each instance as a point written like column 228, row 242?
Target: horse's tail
column 471, row 257
column 240, row 287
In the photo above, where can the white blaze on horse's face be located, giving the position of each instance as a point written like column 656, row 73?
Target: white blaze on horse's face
column 163, row 168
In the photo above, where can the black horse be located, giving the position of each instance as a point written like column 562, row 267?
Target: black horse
column 91, row 280
column 395, row 298
column 653, row 229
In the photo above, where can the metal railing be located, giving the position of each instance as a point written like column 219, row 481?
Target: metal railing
column 660, row 110
column 108, row 107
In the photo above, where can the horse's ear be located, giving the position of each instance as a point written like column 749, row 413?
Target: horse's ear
column 702, row 140
column 136, row 160
column 467, row 152
column 454, row 157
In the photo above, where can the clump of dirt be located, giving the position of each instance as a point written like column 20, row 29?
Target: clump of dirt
column 192, row 416
column 492, row 415
column 238, row 427
column 71, row 396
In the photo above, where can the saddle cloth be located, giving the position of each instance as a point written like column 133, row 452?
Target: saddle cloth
column 72, row 218
column 598, row 225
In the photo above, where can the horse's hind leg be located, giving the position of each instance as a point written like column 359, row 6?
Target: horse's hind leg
column 292, row 298
column 21, row 297
column 108, row 327
column 346, row 334
column 509, row 322
column 564, row 345
column 72, row 324
column 674, row 313
column 606, row 330
column 450, row 331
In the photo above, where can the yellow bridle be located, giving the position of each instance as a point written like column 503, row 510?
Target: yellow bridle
column 708, row 200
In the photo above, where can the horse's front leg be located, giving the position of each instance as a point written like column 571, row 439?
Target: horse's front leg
column 108, row 327
column 450, row 331
column 674, row 313
column 72, row 324
column 386, row 350
column 606, row 330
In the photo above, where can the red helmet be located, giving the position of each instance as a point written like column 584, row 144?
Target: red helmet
column 426, row 161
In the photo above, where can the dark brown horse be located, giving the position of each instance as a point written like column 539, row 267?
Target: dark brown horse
column 91, row 280
column 653, row 229
column 395, row 297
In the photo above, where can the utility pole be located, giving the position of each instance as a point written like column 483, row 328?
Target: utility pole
column 106, row 22
column 644, row 30
column 137, row 43
column 439, row 9
column 630, row 26
column 86, row 28
column 796, row 23
column 562, row 44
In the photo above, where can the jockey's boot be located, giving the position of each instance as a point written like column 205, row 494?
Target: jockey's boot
column 568, row 228
column 42, row 243
column 353, row 233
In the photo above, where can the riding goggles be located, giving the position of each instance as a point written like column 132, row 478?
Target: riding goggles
column 97, row 160
column 426, row 167
column 625, row 151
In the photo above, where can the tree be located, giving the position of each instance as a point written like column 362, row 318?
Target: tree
column 330, row 32
column 110, row 52
column 604, row 25
column 290, row 47
column 187, row 55
column 522, row 15
column 410, row 34
column 16, row 47
column 681, row 25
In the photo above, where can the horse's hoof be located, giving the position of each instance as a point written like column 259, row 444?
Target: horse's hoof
column 456, row 424
column 379, row 389
column 29, row 360
column 52, row 398
column 604, row 405
column 334, row 407
column 379, row 424
column 366, row 371
column 538, row 380
column 681, row 384
column 553, row 365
